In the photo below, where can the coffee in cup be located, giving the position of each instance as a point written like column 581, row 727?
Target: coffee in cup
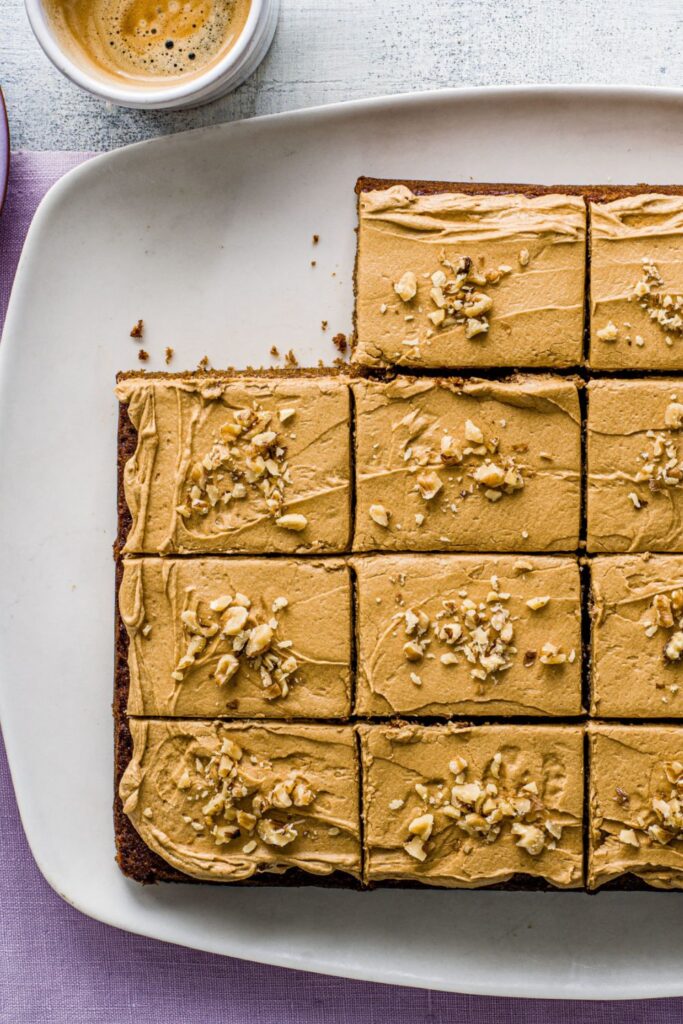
column 153, row 42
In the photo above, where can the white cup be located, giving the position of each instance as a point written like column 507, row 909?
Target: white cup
column 236, row 66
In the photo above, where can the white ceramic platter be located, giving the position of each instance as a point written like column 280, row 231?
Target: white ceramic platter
column 207, row 236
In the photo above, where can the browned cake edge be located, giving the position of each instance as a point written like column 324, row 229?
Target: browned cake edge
column 591, row 193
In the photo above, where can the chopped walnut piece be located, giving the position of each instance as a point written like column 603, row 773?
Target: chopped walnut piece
column 673, row 415
column 552, row 655
column 628, row 837
column 608, row 333
column 531, row 838
column 406, row 287
column 473, row 433
column 536, row 603
column 415, row 847
column 673, row 650
column 429, row 485
column 292, row 521
column 661, row 605
column 379, row 515
column 422, row 826
column 274, row 834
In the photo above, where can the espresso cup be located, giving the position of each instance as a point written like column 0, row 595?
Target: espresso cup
column 155, row 93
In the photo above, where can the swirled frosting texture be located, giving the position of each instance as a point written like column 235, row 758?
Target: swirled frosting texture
column 536, row 316
column 627, row 774
column 181, row 423
column 529, row 425
column 631, row 676
column 312, row 602
column 397, row 759
column 190, row 784
column 446, row 677
column 634, row 503
column 628, row 237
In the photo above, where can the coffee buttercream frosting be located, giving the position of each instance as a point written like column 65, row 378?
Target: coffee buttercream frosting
column 477, row 465
column 636, row 804
column 242, row 465
column 636, row 286
column 469, row 806
column 452, row 280
column 216, row 637
column 225, row 802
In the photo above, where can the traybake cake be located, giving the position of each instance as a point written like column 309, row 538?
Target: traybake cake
column 384, row 625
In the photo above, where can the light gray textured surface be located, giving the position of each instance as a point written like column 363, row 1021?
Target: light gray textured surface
column 331, row 50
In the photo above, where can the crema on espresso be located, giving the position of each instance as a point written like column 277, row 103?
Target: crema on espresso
column 148, row 41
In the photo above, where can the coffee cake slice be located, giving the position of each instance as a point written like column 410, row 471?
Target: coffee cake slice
column 233, row 463
column 477, row 465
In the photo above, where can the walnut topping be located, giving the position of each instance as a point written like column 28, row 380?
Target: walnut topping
column 531, row 837
column 247, row 456
column 666, row 612
column 608, row 333
column 481, row 808
column 628, row 837
column 236, row 798
column 536, row 603
column 661, row 307
column 480, row 634
column 226, row 630
column 673, row 415
column 456, row 294
column 292, row 521
column 379, row 515
column 552, row 655
column 674, row 648
column 406, row 288
column 663, row 823
column 477, row 462
column 660, row 465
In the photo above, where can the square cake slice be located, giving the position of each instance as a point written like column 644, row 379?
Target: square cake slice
column 473, row 806
column 637, row 642
column 636, row 301
column 636, row 805
column 232, row 463
column 448, row 278
column 217, row 637
column 635, row 465
column 468, row 635
column 473, row 465
column 226, row 802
